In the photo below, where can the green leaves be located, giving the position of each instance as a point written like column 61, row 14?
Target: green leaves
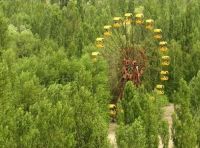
column 141, row 113
column 131, row 103
column 183, row 119
column 3, row 31
column 132, row 135
column 52, row 95
column 195, row 96
column 55, row 122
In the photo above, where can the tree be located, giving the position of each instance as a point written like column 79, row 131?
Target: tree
column 164, row 132
column 130, row 103
column 151, row 120
column 91, row 127
column 55, row 124
column 28, row 90
column 195, row 96
column 181, row 136
column 176, row 67
column 132, row 135
column 183, row 120
column 197, row 120
column 63, row 3
column 3, row 31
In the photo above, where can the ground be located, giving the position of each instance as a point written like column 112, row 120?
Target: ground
column 112, row 134
column 168, row 111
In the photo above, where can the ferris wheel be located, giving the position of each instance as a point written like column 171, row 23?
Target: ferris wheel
column 127, row 46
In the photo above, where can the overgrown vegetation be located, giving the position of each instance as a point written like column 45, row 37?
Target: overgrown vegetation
column 53, row 95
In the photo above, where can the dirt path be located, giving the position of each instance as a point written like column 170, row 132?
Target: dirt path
column 112, row 135
column 168, row 111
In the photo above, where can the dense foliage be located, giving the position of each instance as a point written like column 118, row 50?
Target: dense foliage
column 141, row 119
column 53, row 95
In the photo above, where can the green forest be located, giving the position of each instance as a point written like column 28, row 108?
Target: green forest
column 63, row 62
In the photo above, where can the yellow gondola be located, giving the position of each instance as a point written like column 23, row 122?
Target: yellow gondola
column 128, row 18
column 160, row 92
column 165, row 61
column 112, row 111
column 94, row 56
column 160, row 89
column 100, row 42
column 164, row 72
column 163, row 46
column 139, row 18
column 117, row 22
column 159, row 86
column 107, row 30
column 158, row 34
column 149, row 24
column 164, row 78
